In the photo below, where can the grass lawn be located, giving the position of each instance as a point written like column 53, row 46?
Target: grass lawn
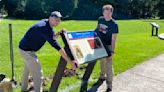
column 134, row 45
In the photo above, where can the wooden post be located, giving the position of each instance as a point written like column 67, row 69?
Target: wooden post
column 152, row 30
column 86, row 76
column 88, row 71
column 61, row 66
column 11, row 51
column 156, row 31
column 155, row 27
column 58, row 75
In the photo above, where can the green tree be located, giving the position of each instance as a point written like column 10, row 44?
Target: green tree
column 2, row 9
column 1, row 4
column 92, row 9
column 20, row 9
column 87, row 9
column 66, row 7
column 33, row 9
column 143, row 8
column 10, row 6
column 161, row 9
column 83, row 9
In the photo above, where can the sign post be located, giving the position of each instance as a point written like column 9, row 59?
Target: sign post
column 61, row 67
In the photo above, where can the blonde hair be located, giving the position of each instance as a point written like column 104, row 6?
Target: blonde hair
column 108, row 7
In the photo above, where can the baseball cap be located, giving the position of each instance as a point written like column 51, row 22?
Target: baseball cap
column 56, row 14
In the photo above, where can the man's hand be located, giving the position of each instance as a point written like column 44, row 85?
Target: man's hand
column 73, row 65
column 58, row 33
column 64, row 55
column 110, row 57
column 64, row 30
column 114, row 36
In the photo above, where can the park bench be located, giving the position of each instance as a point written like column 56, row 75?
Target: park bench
column 154, row 26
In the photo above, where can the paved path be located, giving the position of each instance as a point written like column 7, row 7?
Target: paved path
column 146, row 77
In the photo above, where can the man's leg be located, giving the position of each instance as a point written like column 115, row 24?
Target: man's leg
column 24, row 83
column 25, row 79
column 109, row 72
column 34, row 67
column 37, row 76
column 102, row 72
column 103, row 68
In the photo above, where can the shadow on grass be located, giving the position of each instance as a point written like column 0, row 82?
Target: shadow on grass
column 94, row 88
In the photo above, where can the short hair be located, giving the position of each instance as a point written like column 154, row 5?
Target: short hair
column 108, row 7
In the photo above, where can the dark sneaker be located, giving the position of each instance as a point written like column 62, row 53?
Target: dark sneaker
column 99, row 82
column 108, row 90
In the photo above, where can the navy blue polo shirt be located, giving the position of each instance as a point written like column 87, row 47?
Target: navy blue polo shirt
column 105, row 29
column 37, row 35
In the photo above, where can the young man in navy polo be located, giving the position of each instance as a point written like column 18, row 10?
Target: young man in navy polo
column 32, row 41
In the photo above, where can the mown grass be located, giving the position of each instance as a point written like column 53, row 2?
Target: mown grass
column 134, row 45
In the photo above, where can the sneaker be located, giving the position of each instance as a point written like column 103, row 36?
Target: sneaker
column 99, row 82
column 108, row 90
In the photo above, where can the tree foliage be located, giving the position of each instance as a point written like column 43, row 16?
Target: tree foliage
column 83, row 9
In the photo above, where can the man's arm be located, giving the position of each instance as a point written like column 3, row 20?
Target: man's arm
column 52, row 40
column 114, row 37
column 64, row 55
